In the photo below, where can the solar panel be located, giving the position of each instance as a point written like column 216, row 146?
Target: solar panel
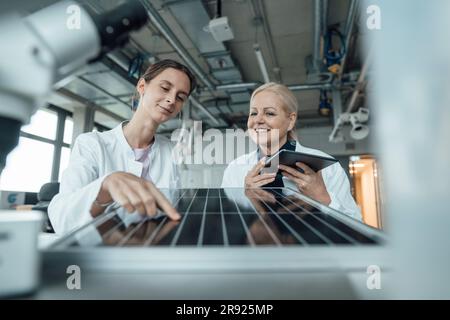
column 226, row 218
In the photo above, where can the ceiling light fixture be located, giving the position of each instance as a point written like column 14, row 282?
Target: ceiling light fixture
column 261, row 63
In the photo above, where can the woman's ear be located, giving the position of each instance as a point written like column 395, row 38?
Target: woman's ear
column 292, row 120
column 140, row 87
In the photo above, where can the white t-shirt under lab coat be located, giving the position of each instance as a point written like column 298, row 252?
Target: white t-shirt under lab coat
column 94, row 156
column 336, row 181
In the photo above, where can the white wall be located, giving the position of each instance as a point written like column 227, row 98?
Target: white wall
column 207, row 175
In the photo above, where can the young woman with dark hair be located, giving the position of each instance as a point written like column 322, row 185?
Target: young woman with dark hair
column 126, row 165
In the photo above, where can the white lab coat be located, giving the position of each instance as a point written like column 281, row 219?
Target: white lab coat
column 96, row 155
column 334, row 176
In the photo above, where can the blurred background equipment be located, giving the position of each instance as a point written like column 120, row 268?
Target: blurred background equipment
column 220, row 29
column 19, row 256
column 359, row 130
column 325, row 106
column 219, row 26
column 332, row 55
column 52, row 45
column 37, row 51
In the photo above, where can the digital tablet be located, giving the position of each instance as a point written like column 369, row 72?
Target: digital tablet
column 289, row 158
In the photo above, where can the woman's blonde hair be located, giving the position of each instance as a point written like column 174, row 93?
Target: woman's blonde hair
column 290, row 102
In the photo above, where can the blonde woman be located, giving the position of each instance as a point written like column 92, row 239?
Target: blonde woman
column 271, row 125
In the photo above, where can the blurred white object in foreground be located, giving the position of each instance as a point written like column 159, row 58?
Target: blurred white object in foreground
column 19, row 255
column 412, row 110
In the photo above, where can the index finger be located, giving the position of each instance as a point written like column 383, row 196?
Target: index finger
column 257, row 168
column 163, row 203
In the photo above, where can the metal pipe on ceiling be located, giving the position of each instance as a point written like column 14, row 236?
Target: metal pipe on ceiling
column 92, row 84
column 359, row 84
column 120, row 59
column 295, row 87
column 71, row 95
column 318, row 15
column 338, row 123
column 162, row 27
column 259, row 9
column 261, row 63
column 198, row 105
column 243, row 85
column 317, row 86
column 324, row 16
column 353, row 8
column 337, row 104
column 348, row 32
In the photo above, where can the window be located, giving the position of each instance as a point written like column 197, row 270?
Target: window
column 43, row 124
column 42, row 153
column 28, row 166
column 68, row 131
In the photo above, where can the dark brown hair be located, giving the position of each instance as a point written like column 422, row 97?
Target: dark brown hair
column 158, row 67
column 155, row 69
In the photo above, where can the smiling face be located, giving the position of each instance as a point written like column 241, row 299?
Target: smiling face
column 163, row 96
column 269, row 120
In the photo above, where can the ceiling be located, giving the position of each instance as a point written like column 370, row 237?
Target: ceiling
column 284, row 30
